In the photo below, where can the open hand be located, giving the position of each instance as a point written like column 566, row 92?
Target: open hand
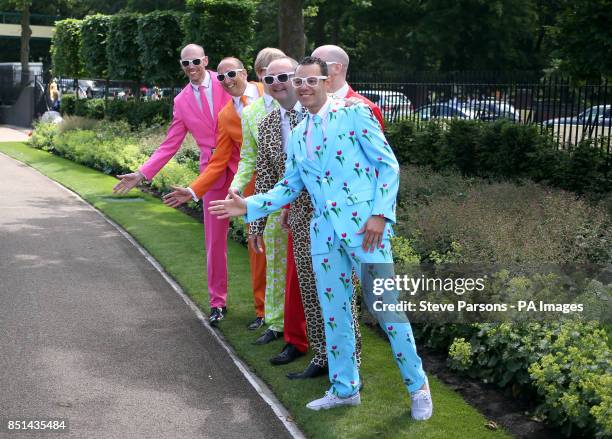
column 179, row 196
column 128, row 181
column 235, row 206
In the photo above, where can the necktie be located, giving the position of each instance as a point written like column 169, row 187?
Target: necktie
column 293, row 118
column 205, row 105
column 315, row 146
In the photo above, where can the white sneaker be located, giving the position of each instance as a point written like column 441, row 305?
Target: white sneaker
column 329, row 401
column 422, row 406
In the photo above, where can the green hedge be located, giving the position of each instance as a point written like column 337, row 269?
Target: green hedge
column 135, row 112
column 501, row 149
column 222, row 27
column 159, row 38
column 94, row 31
column 65, row 48
column 122, row 50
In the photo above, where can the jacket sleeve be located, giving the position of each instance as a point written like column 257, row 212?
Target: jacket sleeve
column 217, row 163
column 379, row 153
column 283, row 192
column 171, row 144
column 248, row 152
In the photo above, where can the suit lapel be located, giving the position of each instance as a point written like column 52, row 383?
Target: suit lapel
column 195, row 109
column 331, row 133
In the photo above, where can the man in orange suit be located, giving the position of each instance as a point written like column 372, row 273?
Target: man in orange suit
column 233, row 77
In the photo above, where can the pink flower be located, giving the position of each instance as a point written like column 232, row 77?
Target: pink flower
column 329, row 238
column 286, row 182
column 335, row 375
column 326, row 173
column 399, row 355
column 334, row 204
column 390, row 328
column 352, row 133
column 379, row 158
column 352, row 383
column 334, row 111
column 382, row 245
column 331, row 319
column 318, row 147
column 345, row 184
column 367, row 169
column 354, row 213
column 325, row 260
column 357, row 164
column 339, row 152
column 324, row 139
column 364, row 131
column 384, row 184
column 269, row 203
column 334, row 348
column 328, row 289
column 342, row 274
column 344, row 235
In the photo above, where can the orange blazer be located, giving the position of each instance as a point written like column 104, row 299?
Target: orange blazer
column 227, row 153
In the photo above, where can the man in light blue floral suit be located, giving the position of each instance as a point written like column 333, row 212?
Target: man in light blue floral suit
column 340, row 155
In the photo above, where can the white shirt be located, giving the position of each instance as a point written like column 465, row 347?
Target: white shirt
column 207, row 92
column 251, row 92
column 341, row 92
column 268, row 102
column 286, row 123
column 323, row 114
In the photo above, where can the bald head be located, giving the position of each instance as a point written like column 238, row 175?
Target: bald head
column 191, row 51
column 331, row 53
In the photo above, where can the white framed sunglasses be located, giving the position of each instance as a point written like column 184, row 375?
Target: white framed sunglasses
column 195, row 62
column 310, row 81
column 230, row 74
column 281, row 78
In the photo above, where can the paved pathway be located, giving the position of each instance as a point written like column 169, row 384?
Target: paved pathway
column 91, row 332
column 12, row 134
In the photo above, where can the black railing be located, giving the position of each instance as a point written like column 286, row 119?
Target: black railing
column 569, row 113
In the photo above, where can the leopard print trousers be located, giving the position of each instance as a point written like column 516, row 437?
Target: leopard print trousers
column 300, row 214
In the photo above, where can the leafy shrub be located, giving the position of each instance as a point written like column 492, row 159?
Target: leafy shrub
column 43, row 136
column 65, row 46
column 575, row 379
column 159, row 39
column 68, row 104
column 222, row 27
column 77, row 123
column 90, row 108
column 499, row 222
column 121, row 51
column 501, row 149
column 138, row 113
column 94, row 31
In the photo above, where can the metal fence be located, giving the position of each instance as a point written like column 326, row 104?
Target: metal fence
column 570, row 113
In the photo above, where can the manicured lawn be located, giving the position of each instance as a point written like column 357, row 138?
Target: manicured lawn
column 176, row 241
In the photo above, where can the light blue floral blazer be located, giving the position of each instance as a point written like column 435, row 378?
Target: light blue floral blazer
column 353, row 175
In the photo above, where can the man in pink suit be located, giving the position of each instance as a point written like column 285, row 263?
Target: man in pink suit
column 195, row 111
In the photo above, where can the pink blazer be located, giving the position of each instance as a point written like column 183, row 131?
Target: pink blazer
column 187, row 117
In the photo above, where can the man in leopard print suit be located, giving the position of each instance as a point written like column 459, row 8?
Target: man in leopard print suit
column 270, row 167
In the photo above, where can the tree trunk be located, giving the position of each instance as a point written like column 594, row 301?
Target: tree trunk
column 26, row 33
column 291, row 28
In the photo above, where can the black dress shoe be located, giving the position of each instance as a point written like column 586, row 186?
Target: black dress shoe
column 312, row 371
column 256, row 324
column 268, row 336
column 216, row 315
column 287, row 355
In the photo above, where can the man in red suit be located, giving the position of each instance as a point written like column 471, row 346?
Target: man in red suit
column 337, row 62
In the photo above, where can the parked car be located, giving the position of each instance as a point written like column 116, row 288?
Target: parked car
column 599, row 115
column 393, row 104
column 493, row 110
column 445, row 111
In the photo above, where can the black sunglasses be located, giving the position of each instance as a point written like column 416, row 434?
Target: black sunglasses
column 195, row 62
column 281, row 77
column 231, row 74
